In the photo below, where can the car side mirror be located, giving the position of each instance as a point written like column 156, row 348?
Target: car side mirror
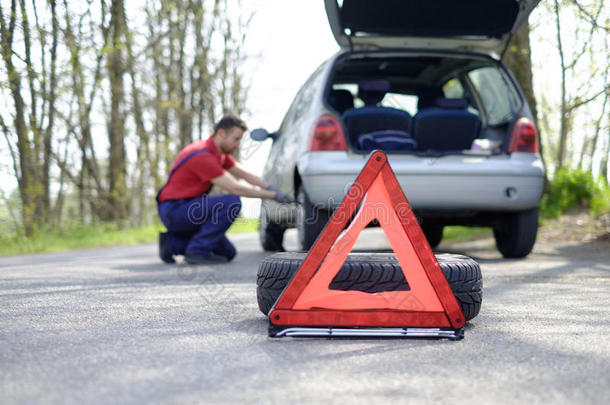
column 260, row 134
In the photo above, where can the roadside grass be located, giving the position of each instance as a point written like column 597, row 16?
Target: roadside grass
column 244, row 225
column 455, row 234
column 76, row 236
column 107, row 234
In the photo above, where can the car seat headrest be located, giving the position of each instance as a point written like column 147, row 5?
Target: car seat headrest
column 341, row 100
column 427, row 97
column 373, row 91
column 452, row 103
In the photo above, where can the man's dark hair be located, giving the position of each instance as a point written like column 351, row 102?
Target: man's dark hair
column 230, row 121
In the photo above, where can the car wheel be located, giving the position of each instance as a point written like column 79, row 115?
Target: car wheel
column 516, row 233
column 271, row 234
column 373, row 272
column 433, row 232
column 310, row 220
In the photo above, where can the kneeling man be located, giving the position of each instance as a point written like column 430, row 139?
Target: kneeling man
column 197, row 222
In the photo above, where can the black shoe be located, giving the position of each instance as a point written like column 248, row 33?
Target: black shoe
column 226, row 253
column 227, row 256
column 205, row 259
column 164, row 252
column 225, row 248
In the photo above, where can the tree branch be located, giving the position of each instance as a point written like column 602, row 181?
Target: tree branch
column 585, row 44
column 580, row 102
column 589, row 16
column 63, row 166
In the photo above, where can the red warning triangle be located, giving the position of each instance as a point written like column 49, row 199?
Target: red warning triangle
column 430, row 303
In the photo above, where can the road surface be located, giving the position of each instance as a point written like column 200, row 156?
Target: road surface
column 115, row 325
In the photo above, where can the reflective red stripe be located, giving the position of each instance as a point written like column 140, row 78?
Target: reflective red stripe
column 308, row 301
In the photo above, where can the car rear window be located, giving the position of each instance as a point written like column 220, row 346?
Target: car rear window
column 417, row 82
column 498, row 97
column 453, row 89
column 406, row 102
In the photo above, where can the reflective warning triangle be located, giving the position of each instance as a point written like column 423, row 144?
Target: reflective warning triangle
column 429, row 303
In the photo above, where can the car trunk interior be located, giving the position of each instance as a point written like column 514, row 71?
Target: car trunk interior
column 430, row 105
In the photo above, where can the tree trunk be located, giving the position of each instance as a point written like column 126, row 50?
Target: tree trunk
column 38, row 190
column 184, row 113
column 143, row 150
column 157, row 98
column 117, row 170
column 603, row 167
column 170, row 87
column 518, row 58
column 85, row 140
column 29, row 187
column 563, row 125
column 51, row 98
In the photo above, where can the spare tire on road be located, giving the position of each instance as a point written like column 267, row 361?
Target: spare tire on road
column 371, row 272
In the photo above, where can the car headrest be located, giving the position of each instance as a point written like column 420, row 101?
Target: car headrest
column 427, row 97
column 452, row 103
column 341, row 100
column 373, row 91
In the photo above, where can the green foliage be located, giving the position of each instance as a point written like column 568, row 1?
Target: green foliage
column 600, row 202
column 453, row 234
column 575, row 188
column 77, row 236
column 244, row 225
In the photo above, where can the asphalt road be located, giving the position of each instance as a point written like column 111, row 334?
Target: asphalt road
column 115, row 325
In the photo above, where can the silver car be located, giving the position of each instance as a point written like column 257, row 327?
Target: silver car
column 422, row 81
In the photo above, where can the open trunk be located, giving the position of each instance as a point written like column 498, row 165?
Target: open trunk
column 483, row 26
column 426, row 104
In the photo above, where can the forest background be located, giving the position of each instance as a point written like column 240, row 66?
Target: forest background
column 97, row 97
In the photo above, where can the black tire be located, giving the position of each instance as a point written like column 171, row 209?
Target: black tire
column 373, row 272
column 310, row 220
column 516, row 233
column 271, row 235
column 433, row 232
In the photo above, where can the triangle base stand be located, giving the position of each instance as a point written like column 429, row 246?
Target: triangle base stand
column 330, row 332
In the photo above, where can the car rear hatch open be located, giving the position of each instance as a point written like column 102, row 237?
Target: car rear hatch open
column 483, row 26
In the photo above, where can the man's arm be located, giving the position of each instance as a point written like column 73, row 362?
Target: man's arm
column 241, row 173
column 232, row 186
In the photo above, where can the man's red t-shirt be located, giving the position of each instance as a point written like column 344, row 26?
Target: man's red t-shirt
column 192, row 179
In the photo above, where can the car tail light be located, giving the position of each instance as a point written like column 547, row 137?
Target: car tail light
column 524, row 137
column 327, row 135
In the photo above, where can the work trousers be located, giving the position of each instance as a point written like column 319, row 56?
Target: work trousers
column 197, row 226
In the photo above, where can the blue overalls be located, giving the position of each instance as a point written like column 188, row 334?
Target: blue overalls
column 197, row 226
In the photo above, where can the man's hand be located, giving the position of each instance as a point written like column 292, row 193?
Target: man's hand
column 279, row 196
column 282, row 198
column 271, row 187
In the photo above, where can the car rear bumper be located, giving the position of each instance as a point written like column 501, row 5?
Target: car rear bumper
column 457, row 182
